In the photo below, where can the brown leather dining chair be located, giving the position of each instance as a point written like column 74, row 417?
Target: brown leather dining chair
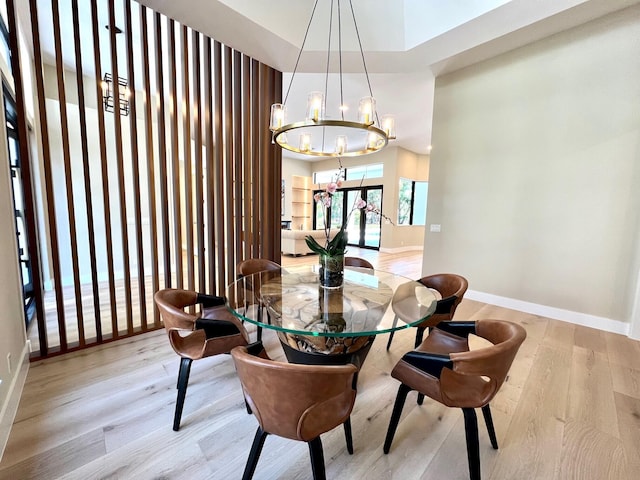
column 193, row 338
column 451, row 288
column 357, row 262
column 444, row 369
column 295, row 401
column 255, row 265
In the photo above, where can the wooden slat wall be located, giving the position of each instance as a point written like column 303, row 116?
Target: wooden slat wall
column 189, row 186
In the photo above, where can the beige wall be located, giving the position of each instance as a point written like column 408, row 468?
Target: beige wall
column 535, row 171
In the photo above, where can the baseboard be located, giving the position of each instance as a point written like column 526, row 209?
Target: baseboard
column 409, row 248
column 10, row 407
column 586, row 320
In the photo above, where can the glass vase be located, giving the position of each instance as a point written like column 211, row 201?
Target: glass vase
column 331, row 271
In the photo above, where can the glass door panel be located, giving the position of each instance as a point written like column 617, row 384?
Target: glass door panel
column 373, row 220
column 353, row 227
column 337, row 210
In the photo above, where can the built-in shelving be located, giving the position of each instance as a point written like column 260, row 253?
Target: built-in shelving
column 301, row 202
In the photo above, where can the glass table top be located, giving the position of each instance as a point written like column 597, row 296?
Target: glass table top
column 294, row 302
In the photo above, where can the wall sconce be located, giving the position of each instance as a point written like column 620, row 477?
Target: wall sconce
column 108, row 94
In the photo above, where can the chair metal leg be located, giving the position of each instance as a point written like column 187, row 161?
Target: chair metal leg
column 347, row 435
column 395, row 322
column 254, row 455
column 317, row 459
column 473, row 449
column 488, row 420
column 419, row 335
column 183, row 380
column 259, row 329
column 395, row 416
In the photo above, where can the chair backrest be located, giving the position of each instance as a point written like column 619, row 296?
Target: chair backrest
column 171, row 303
column 357, row 262
column 255, row 265
column 187, row 340
column 296, row 401
column 452, row 287
column 477, row 375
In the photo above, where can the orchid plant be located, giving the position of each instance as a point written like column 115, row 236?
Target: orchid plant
column 338, row 244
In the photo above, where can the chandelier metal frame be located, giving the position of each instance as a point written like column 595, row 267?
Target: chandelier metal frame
column 332, row 137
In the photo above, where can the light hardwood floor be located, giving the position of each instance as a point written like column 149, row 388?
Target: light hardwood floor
column 570, row 409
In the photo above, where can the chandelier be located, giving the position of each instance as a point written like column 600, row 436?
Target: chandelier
column 108, row 95
column 320, row 135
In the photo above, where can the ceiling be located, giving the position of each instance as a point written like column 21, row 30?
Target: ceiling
column 407, row 43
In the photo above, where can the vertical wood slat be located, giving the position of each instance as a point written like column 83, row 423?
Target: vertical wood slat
column 186, row 129
column 219, row 162
column 150, row 159
column 175, row 160
column 228, row 161
column 197, row 125
column 66, row 156
column 237, row 155
column 135, row 165
column 87, row 175
column 151, row 171
column 162, row 152
column 255, row 160
column 104, row 171
column 265, row 243
column 210, row 180
column 26, row 162
column 124, row 233
column 246, row 156
column 276, row 162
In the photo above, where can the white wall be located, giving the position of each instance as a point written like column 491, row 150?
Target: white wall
column 535, row 171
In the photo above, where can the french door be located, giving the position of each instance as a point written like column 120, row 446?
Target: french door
column 363, row 227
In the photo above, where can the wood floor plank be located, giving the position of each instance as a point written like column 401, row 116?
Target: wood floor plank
column 591, row 393
column 587, row 452
column 628, row 411
column 533, row 444
column 591, row 339
column 623, row 351
column 54, row 462
column 626, row 380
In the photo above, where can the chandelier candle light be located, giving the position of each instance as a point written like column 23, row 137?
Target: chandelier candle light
column 317, row 134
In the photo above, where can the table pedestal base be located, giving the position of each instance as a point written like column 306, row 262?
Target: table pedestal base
column 355, row 351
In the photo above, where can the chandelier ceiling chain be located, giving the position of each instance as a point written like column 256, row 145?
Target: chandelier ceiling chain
column 319, row 135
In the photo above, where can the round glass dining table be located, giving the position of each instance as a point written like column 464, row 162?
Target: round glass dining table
column 319, row 325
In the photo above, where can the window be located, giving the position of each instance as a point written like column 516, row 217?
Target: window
column 412, row 202
column 324, row 177
column 375, row 170
column 5, row 51
column 365, row 171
